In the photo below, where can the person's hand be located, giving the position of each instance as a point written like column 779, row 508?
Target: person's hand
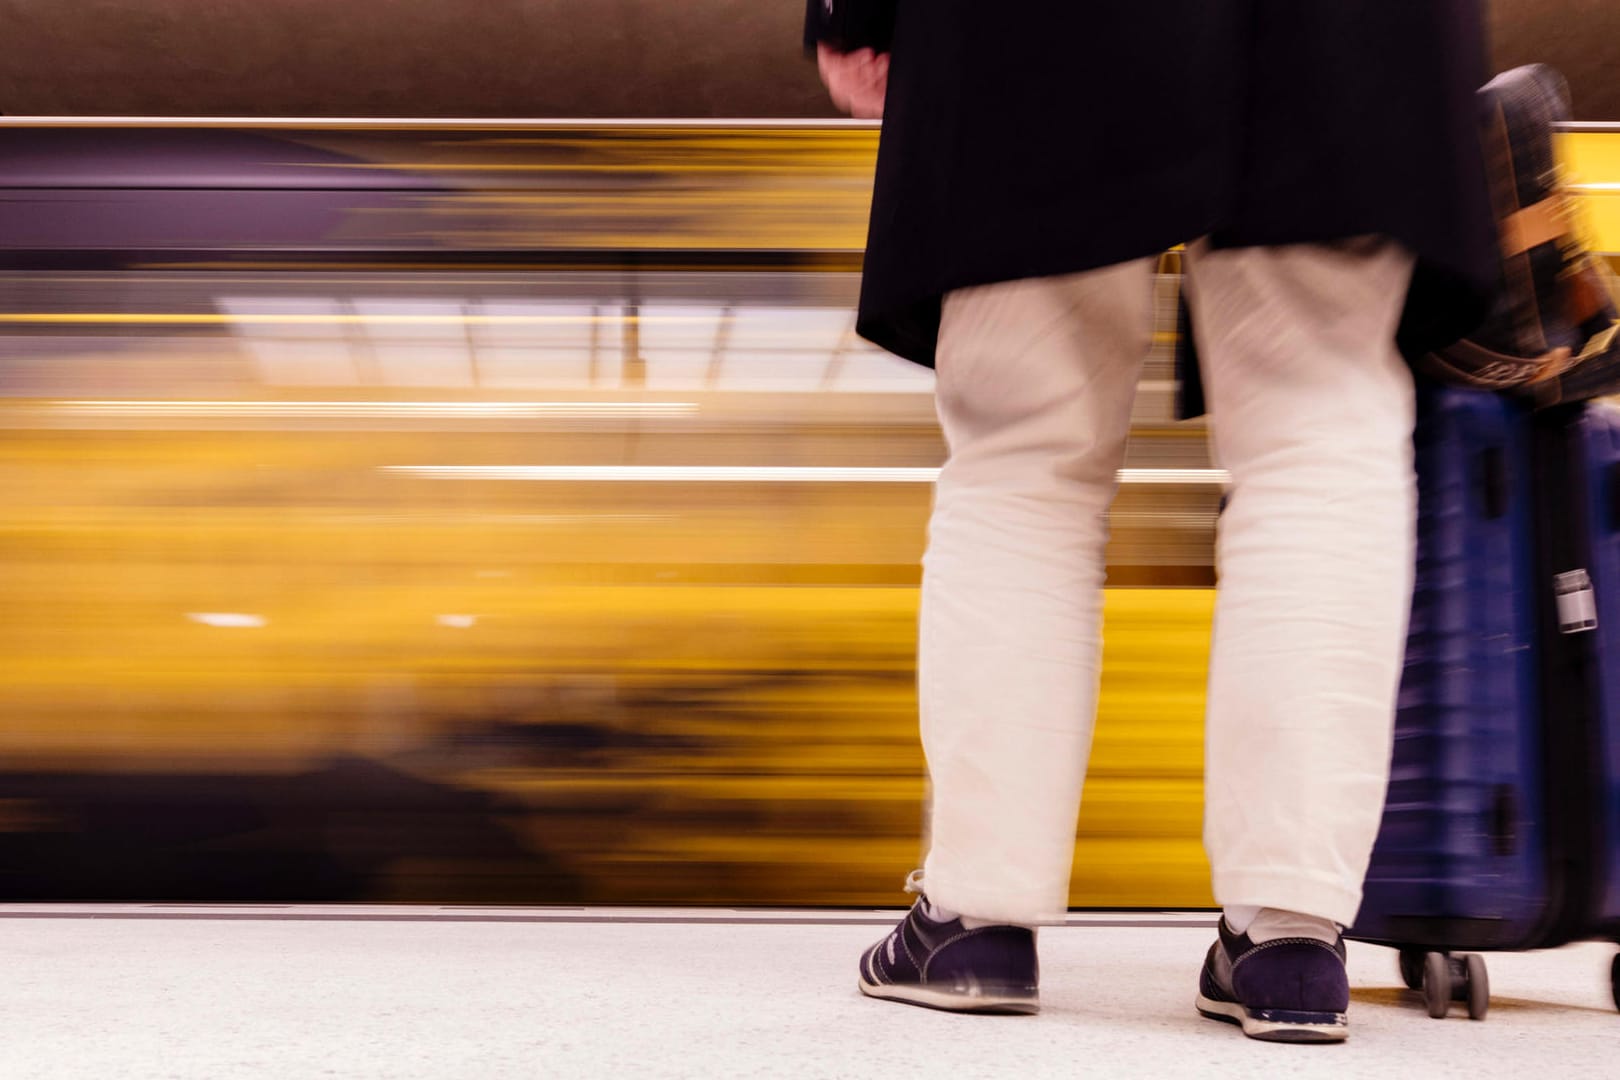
column 857, row 80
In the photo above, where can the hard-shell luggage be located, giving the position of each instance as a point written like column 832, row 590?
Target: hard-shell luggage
column 1502, row 823
column 1578, row 480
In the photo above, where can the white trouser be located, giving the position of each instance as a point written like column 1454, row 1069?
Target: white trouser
column 1312, row 413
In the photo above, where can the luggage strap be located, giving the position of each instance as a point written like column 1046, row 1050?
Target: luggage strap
column 1539, row 223
column 1491, row 370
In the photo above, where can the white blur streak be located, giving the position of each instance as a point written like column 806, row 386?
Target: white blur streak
column 751, row 474
column 458, row 622
column 228, row 620
column 1211, row 477
column 383, row 410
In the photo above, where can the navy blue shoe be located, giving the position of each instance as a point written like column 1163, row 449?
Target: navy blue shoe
column 1287, row 990
column 944, row 965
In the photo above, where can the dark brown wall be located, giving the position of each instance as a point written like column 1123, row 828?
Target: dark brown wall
column 587, row 58
column 553, row 58
column 1580, row 37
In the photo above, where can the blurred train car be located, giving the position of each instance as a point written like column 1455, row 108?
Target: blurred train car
column 507, row 512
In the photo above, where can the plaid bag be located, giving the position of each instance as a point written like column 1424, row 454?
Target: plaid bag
column 1553, row 332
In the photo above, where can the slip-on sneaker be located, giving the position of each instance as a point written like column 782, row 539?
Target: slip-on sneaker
column 1285, row 990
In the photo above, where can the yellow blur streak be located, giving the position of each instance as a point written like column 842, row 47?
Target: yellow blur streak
column 255, row 603
column 1593, row 162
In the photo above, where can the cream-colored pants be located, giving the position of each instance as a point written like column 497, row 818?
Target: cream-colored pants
column 1312, row 412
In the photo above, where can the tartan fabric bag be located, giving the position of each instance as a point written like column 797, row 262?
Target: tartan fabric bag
column 1553, row 332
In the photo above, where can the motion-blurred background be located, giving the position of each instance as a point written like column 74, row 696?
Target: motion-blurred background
column 505, row 510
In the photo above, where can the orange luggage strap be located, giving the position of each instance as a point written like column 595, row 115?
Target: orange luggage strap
column 1539, row 223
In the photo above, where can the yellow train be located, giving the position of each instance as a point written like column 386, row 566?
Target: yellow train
column 508, row 513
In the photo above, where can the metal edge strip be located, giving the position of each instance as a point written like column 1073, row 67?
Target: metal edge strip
column 1199, row 920
column 498, row 123
column 440, row 123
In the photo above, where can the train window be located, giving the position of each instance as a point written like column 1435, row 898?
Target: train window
column 677, row 369
column 807, row 329
column 679, row 327
column 868, row 370
column 414, row 342
column 530, row 345
column 295, row 341
column 218, row 334
column 775, row 372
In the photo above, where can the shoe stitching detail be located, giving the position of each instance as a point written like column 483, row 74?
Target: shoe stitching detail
column 1283, row 941
column 877, row 974
column 900, row 932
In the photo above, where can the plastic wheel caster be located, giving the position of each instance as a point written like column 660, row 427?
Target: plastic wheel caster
column 1437, row 983
column 1479, row 986
column 1411, row 961
column 1614, row 979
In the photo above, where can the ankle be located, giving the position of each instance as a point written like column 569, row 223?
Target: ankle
column 939, row 914
column 1269, row 924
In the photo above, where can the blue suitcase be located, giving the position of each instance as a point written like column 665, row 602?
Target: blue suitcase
column 1503, row 815
column 1578, row 478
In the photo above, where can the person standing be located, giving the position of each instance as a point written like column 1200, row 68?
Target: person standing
column 1322, row 162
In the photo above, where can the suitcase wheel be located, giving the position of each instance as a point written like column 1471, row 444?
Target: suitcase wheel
column 1411, row 961
column 1478, row 986
column 1448, row 978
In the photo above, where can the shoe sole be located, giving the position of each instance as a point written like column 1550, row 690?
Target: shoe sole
column 1333, row 1027
column 989, row 1004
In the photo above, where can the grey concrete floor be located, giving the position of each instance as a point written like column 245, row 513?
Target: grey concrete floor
column 147, row 992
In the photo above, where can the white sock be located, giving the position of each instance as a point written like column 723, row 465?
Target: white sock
column 1269, row 924
column 1239, row 916
column 939, row 914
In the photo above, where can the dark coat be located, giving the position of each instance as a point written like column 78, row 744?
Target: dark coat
column 1032, row 137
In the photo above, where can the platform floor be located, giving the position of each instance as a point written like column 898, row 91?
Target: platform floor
column 177, row 992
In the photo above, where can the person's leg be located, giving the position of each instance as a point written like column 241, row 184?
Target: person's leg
column 1035, row 384
column 1036, row 381
column 1312, row 414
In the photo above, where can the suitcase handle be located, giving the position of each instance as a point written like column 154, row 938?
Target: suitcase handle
column 1505, row 820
